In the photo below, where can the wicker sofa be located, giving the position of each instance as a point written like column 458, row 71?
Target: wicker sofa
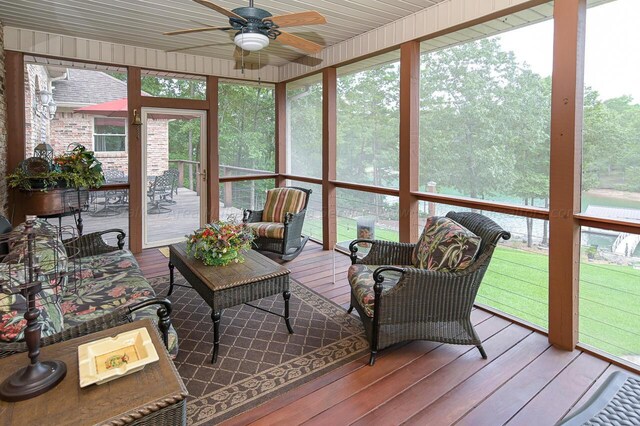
column 106, row 289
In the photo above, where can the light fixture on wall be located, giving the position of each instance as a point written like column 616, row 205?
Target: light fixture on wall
column 46, row 104
column 251, row 41
column 136, row 120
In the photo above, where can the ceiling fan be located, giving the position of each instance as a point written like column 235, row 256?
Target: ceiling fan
column 255, row 27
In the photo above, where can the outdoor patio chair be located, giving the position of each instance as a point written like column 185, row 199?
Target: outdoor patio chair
column 114, row 200
column 429, row 291
column 159, row 189
column 278, row 227
column 172, row 174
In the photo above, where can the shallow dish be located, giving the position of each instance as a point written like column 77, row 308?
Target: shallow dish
column 113, row 357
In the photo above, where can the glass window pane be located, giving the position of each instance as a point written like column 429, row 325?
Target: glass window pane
column 365, row 215
column 368, row 121
column 610, row 292
column 611, row 131
column 246, row 129
column 304, row 127
column 485, row 115
column 246, row 194
column 313, row 219
column 517, row 280
column 173, row 86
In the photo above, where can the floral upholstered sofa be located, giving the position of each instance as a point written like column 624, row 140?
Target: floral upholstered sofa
column 104, row 287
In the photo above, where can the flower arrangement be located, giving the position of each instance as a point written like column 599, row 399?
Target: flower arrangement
column 219, row 243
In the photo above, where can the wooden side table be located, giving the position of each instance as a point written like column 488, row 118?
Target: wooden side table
column 155, row 396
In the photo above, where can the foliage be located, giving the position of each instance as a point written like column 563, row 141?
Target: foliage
column 78, row 168
column 219, row 243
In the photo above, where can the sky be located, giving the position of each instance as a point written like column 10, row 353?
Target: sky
column 612, row 56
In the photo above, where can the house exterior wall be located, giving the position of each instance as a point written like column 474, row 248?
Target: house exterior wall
column 68, row 127
column 36, row 120
column 3, row 131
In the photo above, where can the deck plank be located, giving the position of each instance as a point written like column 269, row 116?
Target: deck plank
column 524, row 381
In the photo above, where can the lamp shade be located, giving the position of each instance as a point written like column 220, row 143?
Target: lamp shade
column 52, row 107
column 251, row 41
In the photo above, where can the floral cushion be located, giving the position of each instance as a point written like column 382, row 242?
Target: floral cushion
column 109, row 281
column 445, row 246
column 281, row 201
column 267, row 229
column 361, row 282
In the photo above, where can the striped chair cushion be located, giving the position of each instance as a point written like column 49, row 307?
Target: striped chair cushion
column 267, row 229
column 281, row 201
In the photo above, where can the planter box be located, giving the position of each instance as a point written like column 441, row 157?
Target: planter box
column 54, row 202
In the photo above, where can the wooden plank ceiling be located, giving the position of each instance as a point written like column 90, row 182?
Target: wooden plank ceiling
column 142, row 22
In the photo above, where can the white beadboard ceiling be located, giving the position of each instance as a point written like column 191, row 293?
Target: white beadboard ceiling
column 142, row 22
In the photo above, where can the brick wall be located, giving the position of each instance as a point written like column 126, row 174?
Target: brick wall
column 3, row 131
column 68, row 127
column 36, row 119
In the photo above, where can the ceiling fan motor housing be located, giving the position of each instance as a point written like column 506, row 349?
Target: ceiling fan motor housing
column 254, row 22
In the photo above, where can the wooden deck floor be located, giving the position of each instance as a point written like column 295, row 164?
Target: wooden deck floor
column 525, row 381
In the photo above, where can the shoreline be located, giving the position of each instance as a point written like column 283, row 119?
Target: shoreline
column 615, row 194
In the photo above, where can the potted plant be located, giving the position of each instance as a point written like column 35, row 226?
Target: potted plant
column 43, row 187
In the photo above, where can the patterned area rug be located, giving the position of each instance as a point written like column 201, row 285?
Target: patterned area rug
column 258, row 358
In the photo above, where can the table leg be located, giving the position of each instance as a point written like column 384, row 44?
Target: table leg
column 287, row 296
column 215, row 316
column 171, row 278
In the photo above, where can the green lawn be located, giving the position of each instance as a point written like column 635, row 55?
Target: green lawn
column 517, row 283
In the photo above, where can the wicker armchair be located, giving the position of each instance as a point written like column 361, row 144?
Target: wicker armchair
column 92, row 245
column 424, row 304
column 284, row 235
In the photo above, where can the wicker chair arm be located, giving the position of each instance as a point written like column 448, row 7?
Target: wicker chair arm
column 164, row 314
column 93, row 244
column 382, row 253
column 251, row 216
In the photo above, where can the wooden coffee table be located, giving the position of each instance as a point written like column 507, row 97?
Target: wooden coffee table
column 226, row 286
column 154, row 396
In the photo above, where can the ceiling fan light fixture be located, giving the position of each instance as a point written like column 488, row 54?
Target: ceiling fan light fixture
column 251, row 41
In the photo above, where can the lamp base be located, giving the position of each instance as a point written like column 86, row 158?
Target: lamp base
column 32, row 380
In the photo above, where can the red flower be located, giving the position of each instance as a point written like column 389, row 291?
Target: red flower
column 68, row 306
column 125, row 264
column 87, row 311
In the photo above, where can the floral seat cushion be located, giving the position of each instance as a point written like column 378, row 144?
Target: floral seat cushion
column 267, row 229
column 281, row 201
column 109, row 281
column 52, row 259
column 361, row 282
column 445, row 246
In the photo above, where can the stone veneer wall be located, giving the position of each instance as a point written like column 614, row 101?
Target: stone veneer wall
column 3, row 131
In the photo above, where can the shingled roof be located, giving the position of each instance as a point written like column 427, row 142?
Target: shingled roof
column 88, row 87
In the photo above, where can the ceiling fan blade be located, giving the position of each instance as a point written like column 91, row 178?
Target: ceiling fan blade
column 310, row 17
column 239, row 53
column 180, row 49
column 220, row 9
column 299, row 42
column 196, row 30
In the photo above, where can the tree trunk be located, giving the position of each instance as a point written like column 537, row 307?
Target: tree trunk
column 529, row 225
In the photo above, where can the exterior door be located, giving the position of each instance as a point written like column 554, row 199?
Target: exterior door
column 174, row 172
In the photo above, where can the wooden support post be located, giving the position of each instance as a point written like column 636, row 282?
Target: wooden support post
column 212, row 161
column 329, row 119
column 181, row 174
column 565, row 171
column 137, row 188
column 15, row 92
column 409, row 139
column 281, row 132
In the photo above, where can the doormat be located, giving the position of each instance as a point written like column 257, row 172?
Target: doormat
column 164, row 251
column 258, row 359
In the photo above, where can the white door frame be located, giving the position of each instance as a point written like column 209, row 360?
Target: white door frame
column 203, row 169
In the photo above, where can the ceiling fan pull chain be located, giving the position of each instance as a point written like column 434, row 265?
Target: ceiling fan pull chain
column 259, row 80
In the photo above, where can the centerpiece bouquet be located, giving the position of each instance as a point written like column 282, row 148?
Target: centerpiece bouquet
column 219, row 243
